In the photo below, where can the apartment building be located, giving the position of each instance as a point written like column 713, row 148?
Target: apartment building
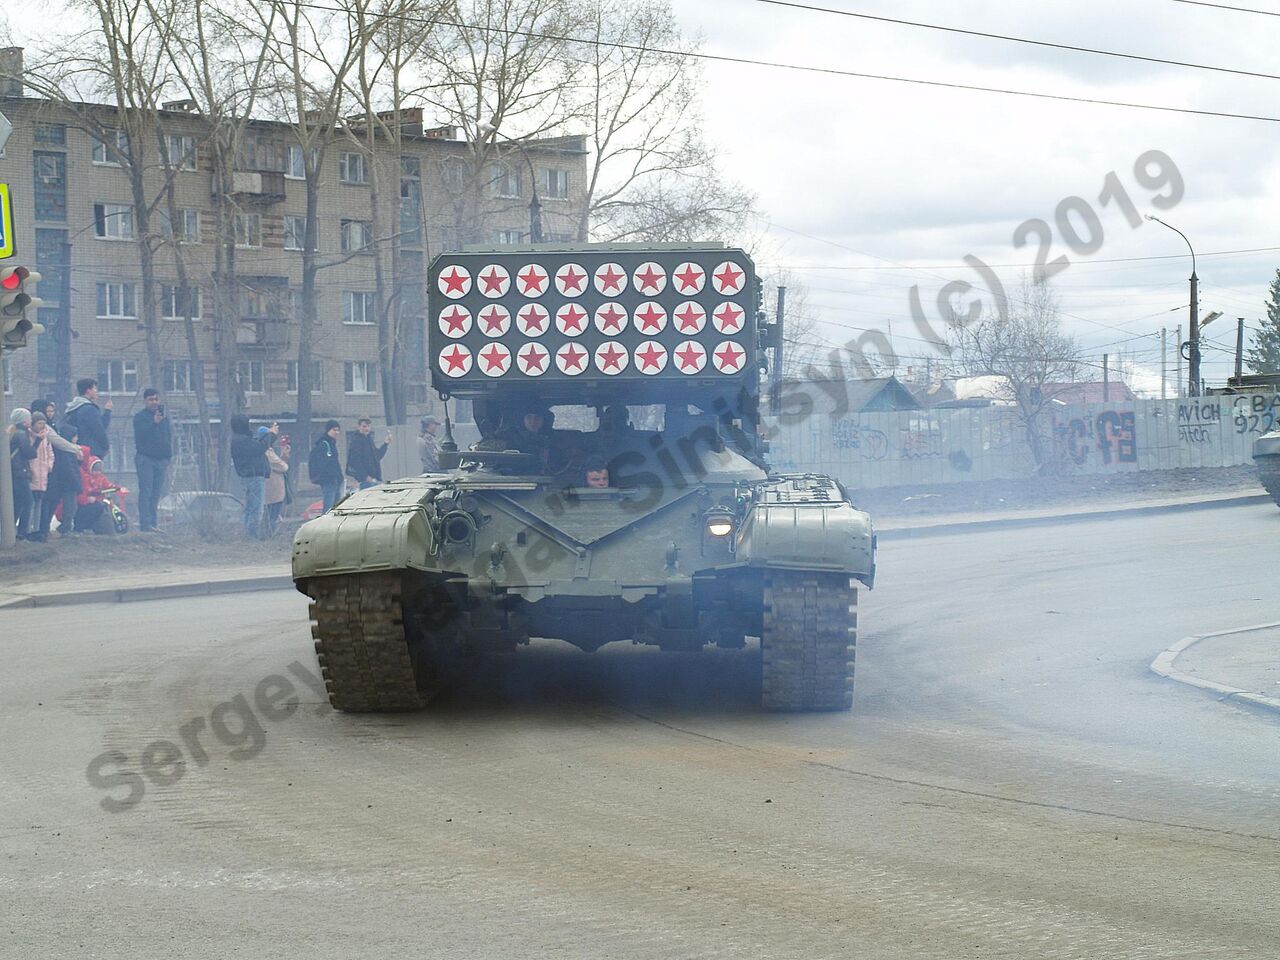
column 77, row 224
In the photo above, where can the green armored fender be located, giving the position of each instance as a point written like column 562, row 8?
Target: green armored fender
column 381, row 528
column 806, row 522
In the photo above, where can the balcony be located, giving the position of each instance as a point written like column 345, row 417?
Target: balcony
column 266, row 186
column 262, row 334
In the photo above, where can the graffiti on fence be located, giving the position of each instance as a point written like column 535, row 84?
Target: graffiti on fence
column 1198, row 421
column 921, row 444
column 848, row 434
column 1256, row 414
column 1112, row 433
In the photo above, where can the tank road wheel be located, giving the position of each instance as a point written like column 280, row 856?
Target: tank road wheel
column 810, row 627
column 1269, row 474
column 357, row 622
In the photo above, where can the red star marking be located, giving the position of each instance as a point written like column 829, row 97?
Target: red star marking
column 455, row 282
column 688, row 357
column 531, row 280
column 494, row 356
column 572, row 319
column 610, row 356
column 650, row 318
column 729, row 278
column 456, row 320
column 612, row 318
column 690, row 278
column 494, row 280
column 649, row 356
column 532, row 359
column 649, row 279
column 457, row 360
column 571, row 280
column 494, row 319
column 729, row 317
column 610, row 280
column 690, row 317
column 534, row 319
column 728, row 357
column 573, row 357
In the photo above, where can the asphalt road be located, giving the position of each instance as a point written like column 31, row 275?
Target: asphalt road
column 1013, row 782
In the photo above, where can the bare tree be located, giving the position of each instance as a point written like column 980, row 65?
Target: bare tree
column 1028, row 353
column 499, row 74
column 650, row 175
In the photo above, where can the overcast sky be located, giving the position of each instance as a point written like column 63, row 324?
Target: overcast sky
column 860, row 177
column 868, row 187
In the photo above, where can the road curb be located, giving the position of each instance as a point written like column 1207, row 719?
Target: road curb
column 162, row 591
column 1039, row 520
column 1163, row 665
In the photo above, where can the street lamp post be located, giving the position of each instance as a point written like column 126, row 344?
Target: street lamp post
column 535, row 203
column 1193, row 331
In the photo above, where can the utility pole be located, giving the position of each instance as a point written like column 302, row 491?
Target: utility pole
column 9, row 530
column 775, row 380
column 1106, row 378
column 1193, row 330
column 1239, row 348
column 1164, row 363
column 1177, row 381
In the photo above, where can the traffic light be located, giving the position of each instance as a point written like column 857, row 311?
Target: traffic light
column 16, row 299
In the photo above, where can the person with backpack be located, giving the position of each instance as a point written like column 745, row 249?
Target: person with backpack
column 249, row 455
column 324, row 467
column 90, row 422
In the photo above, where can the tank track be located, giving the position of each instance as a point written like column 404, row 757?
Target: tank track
column 807, row 646
column 357, row 623
column 1269, row 474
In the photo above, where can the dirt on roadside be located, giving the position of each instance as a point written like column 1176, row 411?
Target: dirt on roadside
column 1039, row 493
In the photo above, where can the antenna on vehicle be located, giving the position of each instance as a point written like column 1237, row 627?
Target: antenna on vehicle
column 448, row 445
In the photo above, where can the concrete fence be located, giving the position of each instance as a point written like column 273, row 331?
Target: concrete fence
column 947, row 446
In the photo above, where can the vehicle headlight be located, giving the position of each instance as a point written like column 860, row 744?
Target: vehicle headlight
column 719, row 521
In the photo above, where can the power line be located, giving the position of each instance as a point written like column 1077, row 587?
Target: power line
column 1000, row 266
column 801, row 68
column 1227, row 6
column 1036, row 43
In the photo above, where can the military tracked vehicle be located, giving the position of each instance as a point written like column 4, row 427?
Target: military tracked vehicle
column 1266, row 455
column 619, row 491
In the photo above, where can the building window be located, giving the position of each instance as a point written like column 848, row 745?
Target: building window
column 454, row 173
column 505, row 180
column 357, row 235
column 50, row 174
column 295, row 232
column 116, row 302
column 317, row 376
column 113, row 221
column 359, row 377
column 259, row 152
column 51, row 133
column 188, row 224
column 295, row 167
column 359, row 308
column 558, row 237
column 103, row 156
column 248, row 227
column 179, row 376
column 6, row 374
column 174, row 301
column 249, row 375
column 179, row 150
column 555, row 184
column 118, row 376
column 410, row 210
column 351, row 168
column 508, row 236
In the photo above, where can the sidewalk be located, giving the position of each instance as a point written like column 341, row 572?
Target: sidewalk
column 122, row 589
column 1241, row 664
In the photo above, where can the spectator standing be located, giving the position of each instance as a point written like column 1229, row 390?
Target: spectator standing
column 153, row 449
column 64, row 483
column 323, row 465
column 364, row 457
column 22, row 450
column 429, row 445
column 41, row 467
column 249, row 455
column 91, row 423
column 273, row 495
